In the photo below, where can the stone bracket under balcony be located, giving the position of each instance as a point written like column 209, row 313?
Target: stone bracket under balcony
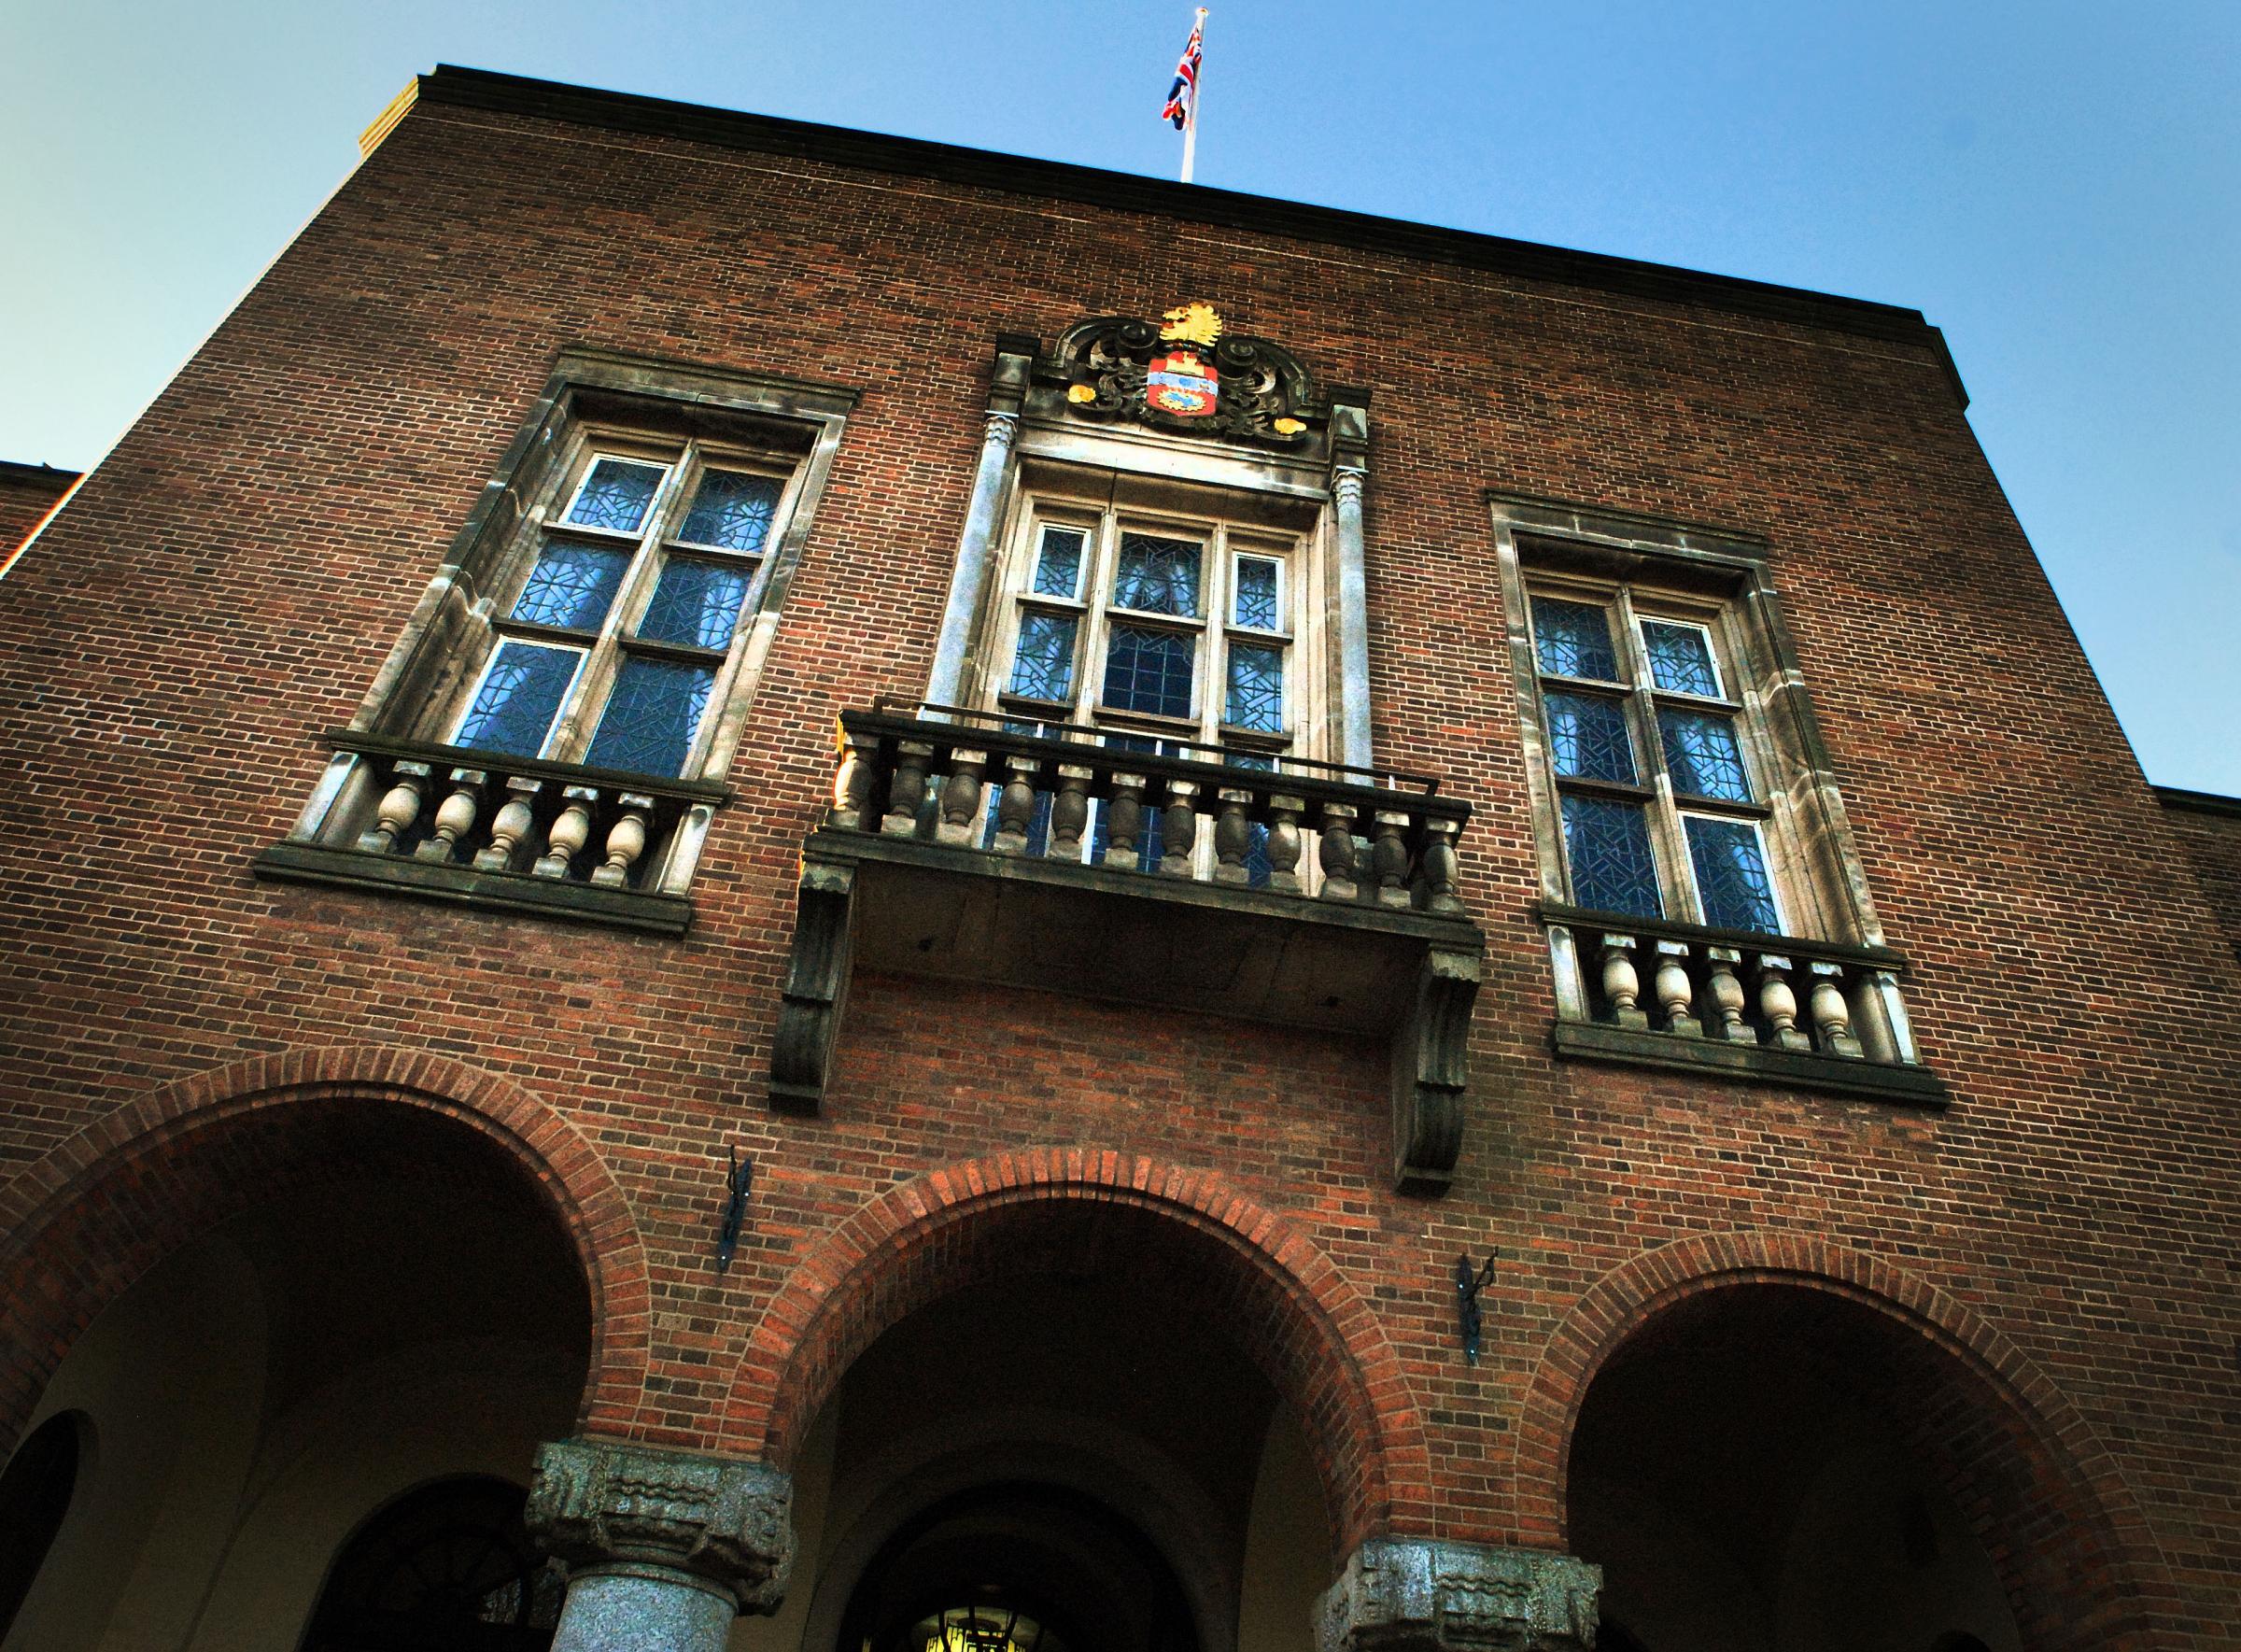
column 883, row 891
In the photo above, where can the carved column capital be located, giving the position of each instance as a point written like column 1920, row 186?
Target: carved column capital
column 607, row 1507
column 1346, row 484
column 1415, row 1595
column 1001, row 428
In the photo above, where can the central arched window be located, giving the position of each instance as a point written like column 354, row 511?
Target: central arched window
column 447, row 1568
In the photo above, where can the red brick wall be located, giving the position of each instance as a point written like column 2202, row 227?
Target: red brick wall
column 2209, row 831
column 223, row 588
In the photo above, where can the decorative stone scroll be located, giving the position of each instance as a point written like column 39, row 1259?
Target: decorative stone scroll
column 1415, row 1595
column 1186, row 372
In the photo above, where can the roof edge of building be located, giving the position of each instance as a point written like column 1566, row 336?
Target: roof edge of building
column 16, row 470
column 518, row 94
column 2197, row 802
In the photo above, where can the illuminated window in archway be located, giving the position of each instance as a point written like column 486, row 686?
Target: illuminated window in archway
column 983, row 1626
column 448, row 1568
column 35, row 1495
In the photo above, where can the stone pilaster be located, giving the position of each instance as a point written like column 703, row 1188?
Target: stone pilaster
column 1415, row 1595
column 663, row 1548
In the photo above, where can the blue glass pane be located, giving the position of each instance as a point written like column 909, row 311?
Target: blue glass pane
column 652, row 716
column 731, row 509
column 1701, row 751
column 616, row 495
column 1157, row 576
column 1680, row 658
column 1149, row 672
column 695, row 604
column 571, row 586
column 513, row 708
column 1731, row 875
column 1587, row 737
column 1257, row 594
column 1573, row 640
column 1608, row 845
column 1255, row 696
column 1058, row 562
column 1044, row 666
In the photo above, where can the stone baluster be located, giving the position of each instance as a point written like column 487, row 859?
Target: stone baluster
column 1674, row 989
column 850, row 810
column 511, row 825
column 1178, row 828
column 1124, row 822
column 1724, row 995
column 400, row 806
column 1070, row 809
column 1015, row 804
column 1778, row 1002
column 960, row 821
column 570, row 830
column 1389, row 856
column 1337, row 854
column 1233, row 836
column 1832, row 1015
column 455, row 816
column 626, row 840
column 1622, row 982
column 1283, row 846
column 906, row 788
column 1438, row 872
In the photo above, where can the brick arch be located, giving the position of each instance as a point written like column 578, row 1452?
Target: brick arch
column 2080, row 1565
column 1311, row 1333
column 79, row 1226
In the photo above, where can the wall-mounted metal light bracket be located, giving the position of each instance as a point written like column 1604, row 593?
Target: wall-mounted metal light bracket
column 737, row 1178
column 1467, row 1287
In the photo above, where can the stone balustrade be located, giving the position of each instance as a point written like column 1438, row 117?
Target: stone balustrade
column 1313, row 830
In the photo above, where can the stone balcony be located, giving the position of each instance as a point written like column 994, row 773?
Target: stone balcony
column 960, row 846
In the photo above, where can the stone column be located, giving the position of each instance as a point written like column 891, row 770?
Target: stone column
column 983, row 515
column 663, row 1548
column 1419, row 1595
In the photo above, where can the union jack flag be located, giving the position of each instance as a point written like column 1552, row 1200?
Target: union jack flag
column 1186, row 78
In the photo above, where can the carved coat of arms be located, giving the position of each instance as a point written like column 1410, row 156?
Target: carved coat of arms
column 1184, row 373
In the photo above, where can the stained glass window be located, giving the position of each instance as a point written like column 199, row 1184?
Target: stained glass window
column 1058, row 562
column 696, row 603
column 1257, row 587
column 1157, row 576
column 1608, row 844
column 521, row 692
column 616, row 494
column 1588, row 735
column 1680, row 658
column 1702, row 753
column 1731, row 875
column 571, row 586
column 731, row 509
column 1256, row 695
column 1573, row 640
column 653, row 712
column 1149, row 671
column 1043, row 669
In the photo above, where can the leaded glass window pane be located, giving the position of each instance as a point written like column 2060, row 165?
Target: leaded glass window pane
column 1702, row 752
column 731, row 509
column 1680, row 658
column 1731, row 875
column 571, row 586
column 696, row 603
column 1256, row 694
column 1587, row 734
column 1043, row 669
column 1148, row 670
column 1257, row 584
column 521, row 692
column 1058, row 562
column 1608, row 846
column 652, row 715
column 616, row 495
column 1157, row 576
column 1573, row 640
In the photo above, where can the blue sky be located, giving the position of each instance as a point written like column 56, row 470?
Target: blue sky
column 2057, row 185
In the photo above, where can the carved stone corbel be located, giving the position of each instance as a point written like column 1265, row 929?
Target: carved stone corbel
column 1417, row 1595
column 816, row 990
column 1431, row 1068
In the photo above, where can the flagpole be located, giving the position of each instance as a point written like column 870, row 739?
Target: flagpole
column 1198, row 92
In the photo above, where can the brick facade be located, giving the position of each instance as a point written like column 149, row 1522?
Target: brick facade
column 223, row 586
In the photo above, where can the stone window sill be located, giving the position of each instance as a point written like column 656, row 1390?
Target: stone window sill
column 502, row 892
column 1797, row 1069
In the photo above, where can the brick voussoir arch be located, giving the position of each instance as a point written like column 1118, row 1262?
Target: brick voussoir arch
column 42, row 1311
column 1323, row 1349
column 1624, row 1300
